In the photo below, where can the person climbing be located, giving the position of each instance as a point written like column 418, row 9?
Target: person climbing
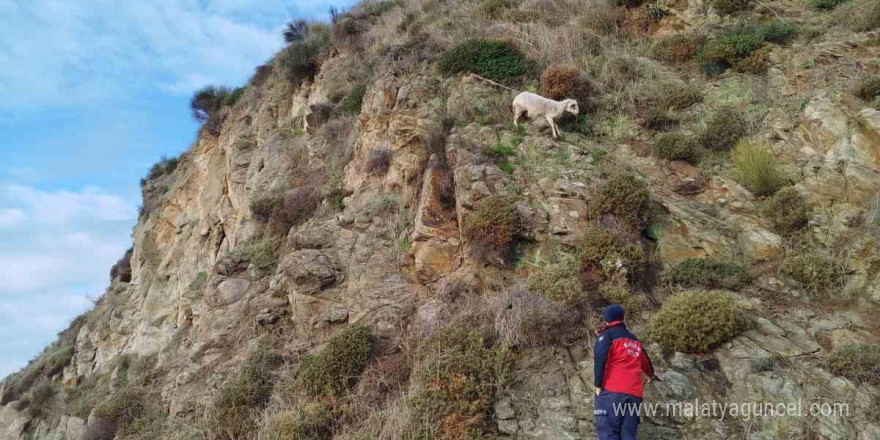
column 619, row 363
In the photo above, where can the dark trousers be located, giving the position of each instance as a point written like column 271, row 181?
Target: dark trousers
column 617, row 415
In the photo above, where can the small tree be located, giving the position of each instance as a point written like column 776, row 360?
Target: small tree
column 296, row 30
column 207, row 101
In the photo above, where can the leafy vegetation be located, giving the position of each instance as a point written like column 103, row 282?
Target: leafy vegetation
column 122, row 268
column 598, row 249
column 300, row 59
column 259, row 253
column 724, row 129
column 379, row 161
column 165, row 165
column 736, row 45
column 315, row 421
column 336, row 369
column 859, row 362
column 352, row 102
column 622, row 195
column 676, row 146
column 495, row 60
column 820, row 275
column 695, row 321
column 490, row 230
column 709, row 274
column 730, row 7
column 787, row 211
column 558, row 280
column 756, row 168
column 209, row 100
column 562, row 82
column 234, row 411
column 868, row 89
column 826, row 4
column 677, row 48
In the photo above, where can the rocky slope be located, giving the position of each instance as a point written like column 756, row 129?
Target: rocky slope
column 386, row 243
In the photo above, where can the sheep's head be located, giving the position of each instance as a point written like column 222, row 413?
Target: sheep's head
column 571, row 106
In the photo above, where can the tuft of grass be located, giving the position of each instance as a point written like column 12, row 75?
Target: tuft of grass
column 338, row 367
column 622, row 195
column 724, row 129
column 733, row 47
column 820, row 275
column 165, row 165
column 756, row 168
column 709, row 274
column 352, row 102
column 731, row 7
column 600, row 253
column 315, row 421
column 676, row 146
column 677, row 48
column 122, row 268
column 41, row 398
column 236, row 407
column 868, row 90
column 787, row 211
column 300, row 60
column 133, row 411
column 260, row 254
column 826, row 5
column 859, row 362
column 459, row 380
column 495, row 60
column 490, row 230
column 695, row 321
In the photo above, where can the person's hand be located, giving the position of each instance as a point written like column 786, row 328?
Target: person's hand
column 598, row 390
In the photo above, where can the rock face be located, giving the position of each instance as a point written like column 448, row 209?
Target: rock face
column 384, row 247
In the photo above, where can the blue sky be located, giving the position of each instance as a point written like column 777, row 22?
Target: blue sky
column 93, row 92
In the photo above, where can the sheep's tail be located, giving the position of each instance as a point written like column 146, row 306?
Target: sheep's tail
column 494, row 83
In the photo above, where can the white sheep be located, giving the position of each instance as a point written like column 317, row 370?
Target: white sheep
column 536, row 105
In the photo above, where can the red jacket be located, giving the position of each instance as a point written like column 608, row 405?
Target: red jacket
column 620, row 361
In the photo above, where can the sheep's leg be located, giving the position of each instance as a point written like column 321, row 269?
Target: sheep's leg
column 552, row 127
column 517, row 113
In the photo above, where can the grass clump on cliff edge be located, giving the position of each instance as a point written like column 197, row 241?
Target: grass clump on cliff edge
column 240, row 401
column 622, row 195
column 709, row 274
column 490, row 230
column 868, row 90
column 858, row 362
column 134, row 411
column 735, row 46
column 315, row 421
column 787, row 211
column 458, row 380
column 756, row 167
column 300, row 59
column 820, row 275
column 724, row 129
column 676, row 146
column 336, row 369
column 495, row 60
column 695, row 321
column 352, row 102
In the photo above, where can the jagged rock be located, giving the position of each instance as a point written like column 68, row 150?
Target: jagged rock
column 306, row 272
column 314, row 235
column 503, row 410
column 267, row 317
column 228, row 291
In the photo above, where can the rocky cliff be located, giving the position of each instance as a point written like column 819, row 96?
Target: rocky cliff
column 424, row 213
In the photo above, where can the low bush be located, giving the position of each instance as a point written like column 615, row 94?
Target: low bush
column 787, row 211
column 495, row 9
column 208, row 100
column 41, row 398
column 131, row 411
column 559, row 281
column 530, row 319
column 695, row 321
column 560, row 82
column 601, row 253
column 677, row 48
column 379, row 161
column 296, row 30
column 755, row 63
column 676, row 146
column 59, row 359
column 122, row 268
column 680, row 98
column 622, row 195
column 777, row 31
column 756, row 167
column 734, row 46
column 490, row 229
column 282, row 212
column 459, row 378
column 240, row 401
column 495, row 60
column 858, row 15
column 261, row 74
column 300, row 60
column 617, row 291
column 338, row 367
column 731, row 7
column 352, row 102
column 868, row 89
column 707, row 273
column 826, row 4
column 660, row 120
column 259, row 254
column 315, row 421
column 724, row 129
column 821, row 276
column 859, row 362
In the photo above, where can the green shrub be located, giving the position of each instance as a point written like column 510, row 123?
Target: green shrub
column 58, row 360
column 260, row 254
column 777, row 31
column 600, row 250
column 165, row 165
column 558, row 281
column 724, row 129
column 300, row 60
column 826, row 4
column 338, row 367
column 315, row 421
column 821, row 276
column 132, row 411
column 726, row 49
column 122, row 268
column 756, row 168
column 787, row 211
column 868, row 89
column 563, row 82
column 859, row 362
column 490, row 230
column 296, row 30
column 41, row 398
column 676, row 146
column 352, row 102
column 709, row 274
column 282, row 212
column 495, row 9
column 208, row 100
column 622, row 195
column 617, row 291
column 240, row 400
column 695, row 321
column 730, row 7
column 495, row 60
column 677, row 48
column 660, row 120
column 459, row 378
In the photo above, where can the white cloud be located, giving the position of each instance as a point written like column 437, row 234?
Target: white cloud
column 10, row 217
column 64, row 206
